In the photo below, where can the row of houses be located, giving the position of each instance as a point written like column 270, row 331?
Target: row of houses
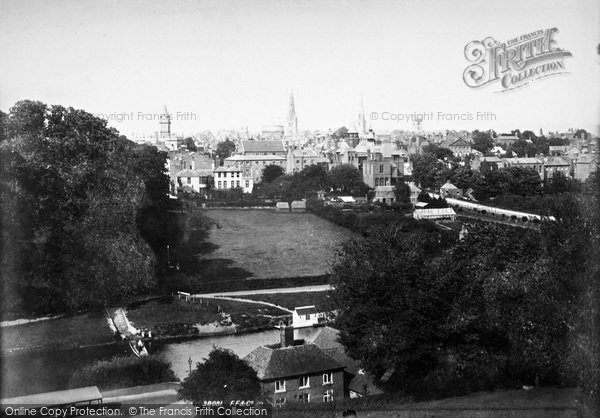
column 578, row 167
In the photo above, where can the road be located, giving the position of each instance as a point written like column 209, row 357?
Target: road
column 317, row 288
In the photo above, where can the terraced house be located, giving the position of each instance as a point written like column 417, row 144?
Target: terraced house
column 293, row 371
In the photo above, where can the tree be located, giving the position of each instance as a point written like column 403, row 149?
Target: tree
column 346, row 179
column 340, row 133
column 271, row 172
column 189, row 144
column 439, row 152
column 482, row 141
column 425, row 171
column 73, row 189
column 222, row 376
column 225, row 149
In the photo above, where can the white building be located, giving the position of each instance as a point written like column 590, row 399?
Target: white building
column 306, row 316
column 231, row 177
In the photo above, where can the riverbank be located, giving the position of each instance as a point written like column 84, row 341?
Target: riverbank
column 170, row 320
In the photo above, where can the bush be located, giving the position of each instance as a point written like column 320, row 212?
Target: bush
column 122, row 372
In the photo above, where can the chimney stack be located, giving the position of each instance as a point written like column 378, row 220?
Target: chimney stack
column 286, row 333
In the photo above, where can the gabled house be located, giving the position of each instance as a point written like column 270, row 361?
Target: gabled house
column 460, row 147
column 293, row 371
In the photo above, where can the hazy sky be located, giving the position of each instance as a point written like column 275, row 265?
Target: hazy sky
column 232, row 64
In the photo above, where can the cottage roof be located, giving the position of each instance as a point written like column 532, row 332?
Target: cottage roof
column 449, row 186
column 275, row 363
column 305, row 310
column 262, row 146
column 523, row 160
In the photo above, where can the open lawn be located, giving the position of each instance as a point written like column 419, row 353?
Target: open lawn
column 225, row 250
column 292, row 300
column 70, row 331
column 268, row 244
column 172, row 316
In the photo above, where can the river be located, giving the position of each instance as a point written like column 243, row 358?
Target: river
column 35, row 372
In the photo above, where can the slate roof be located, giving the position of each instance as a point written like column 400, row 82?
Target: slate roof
column 305, row 310
column 262, row 146
column 555, row 161
column 195, row 173
column 449, row 186
column 460, row 143
column 290, row 361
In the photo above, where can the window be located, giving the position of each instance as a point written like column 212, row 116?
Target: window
column 247, row 183
column 279, row 386
column 279, row 402
column 304, row 397
column 218, row 185
column 327, row 378
column 304, row 382
column 189, row 180
column 381, row 168
column 238, row 183
column 225, row 184
column 308, row 317
column 328, row 395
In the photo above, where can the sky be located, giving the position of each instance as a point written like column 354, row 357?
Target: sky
column 233, row 64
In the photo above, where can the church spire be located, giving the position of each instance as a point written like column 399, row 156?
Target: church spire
column 292, row 120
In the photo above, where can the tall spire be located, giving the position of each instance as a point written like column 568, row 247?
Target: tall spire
column 361, row 122
column 292, row 120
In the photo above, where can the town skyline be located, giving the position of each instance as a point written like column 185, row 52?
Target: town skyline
column 222, row 63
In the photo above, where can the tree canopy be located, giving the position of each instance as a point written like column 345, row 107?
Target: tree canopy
column 223, row 376
column 225, row 149
column 502, row 307
column 76, row 199
column 271, row 172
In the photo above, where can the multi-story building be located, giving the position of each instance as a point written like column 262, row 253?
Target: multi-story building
column 460, row 147
column 526, row 162
column 553, row 165
column 380, row 171
column 231, row 177
column 293, row 371
column 584, row 166
column 298, row 159
column 486, row 163
column 256, row 155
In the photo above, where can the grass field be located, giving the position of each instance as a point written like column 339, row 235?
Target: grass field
column 292, row 300
column 266, row 244
column 85, row 329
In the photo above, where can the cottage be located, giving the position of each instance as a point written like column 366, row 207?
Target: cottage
column 296, row 372
column 306, row 316
column 385, row 194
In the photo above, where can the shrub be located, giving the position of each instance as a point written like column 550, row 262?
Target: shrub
column 122, row 372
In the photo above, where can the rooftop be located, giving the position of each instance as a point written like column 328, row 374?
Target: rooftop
column 297, row 360
column 262, row 146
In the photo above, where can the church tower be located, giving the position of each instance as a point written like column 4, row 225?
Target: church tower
column 165, row 125
column 292, row 120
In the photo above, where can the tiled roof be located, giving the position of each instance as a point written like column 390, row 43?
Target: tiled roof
column 195, row 173
column 262, row 146
column 290, row 361
column 523, row 160
column 227, row 168
column 460, row 143
column 255, row 158
column 552, row 161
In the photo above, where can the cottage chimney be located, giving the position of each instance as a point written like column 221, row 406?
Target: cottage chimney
column 286, row 333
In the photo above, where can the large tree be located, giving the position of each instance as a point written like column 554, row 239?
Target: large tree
column 271, row 172
column 223, row 376
column 346, row 178
column 225, row 149
column 73, row 189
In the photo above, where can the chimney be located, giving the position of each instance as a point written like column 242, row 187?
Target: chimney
column 286, row 333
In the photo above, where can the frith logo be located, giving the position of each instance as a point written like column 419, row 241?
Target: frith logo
column 514, row 63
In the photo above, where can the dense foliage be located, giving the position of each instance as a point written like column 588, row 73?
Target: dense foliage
column 124, row 372
column 502, row 307
column 222, row 376
column 82, row 208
